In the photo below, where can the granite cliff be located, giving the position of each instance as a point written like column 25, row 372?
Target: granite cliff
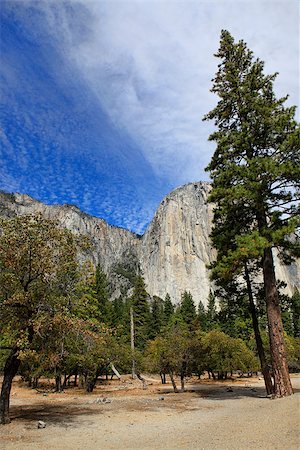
column 175, row 250
column 173, row 253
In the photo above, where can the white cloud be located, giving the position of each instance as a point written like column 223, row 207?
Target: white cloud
column 150, row 65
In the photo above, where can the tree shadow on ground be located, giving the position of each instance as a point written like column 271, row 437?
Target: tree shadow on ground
column 226, row 392
column 57, row 414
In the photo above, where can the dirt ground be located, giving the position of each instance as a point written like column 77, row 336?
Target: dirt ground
column 121, row 415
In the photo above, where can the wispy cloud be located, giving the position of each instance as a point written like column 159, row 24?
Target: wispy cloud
column 150, row 65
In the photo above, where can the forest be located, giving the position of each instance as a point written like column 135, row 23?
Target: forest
column 59, row 322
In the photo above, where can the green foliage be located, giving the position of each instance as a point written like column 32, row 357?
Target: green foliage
column 255, row 172
column 48, row 312
column 225, row 354
column 85, row 302
column 256, row 165
column 168, row 310
column 295, row 312
column 156, row 317
column 180, row 352
column 201, row 315
column 141, row 312
column 187, row 310
column 119, row 311
column 293, row 349
column 211, row 317
column 171, row 353
column 102, row 294
column 234, row 315
column 129, row 269
column 38, row 274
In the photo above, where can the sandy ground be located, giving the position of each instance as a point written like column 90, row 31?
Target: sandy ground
column 208, row 416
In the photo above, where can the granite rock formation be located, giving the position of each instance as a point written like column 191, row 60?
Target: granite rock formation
column 173, row 253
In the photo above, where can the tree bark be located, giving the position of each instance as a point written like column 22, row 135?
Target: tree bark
column 259, row 345
column 182, row 374
column 10, row 370
column 114, row 370
column 142, row 379
column 90, row 384
column 163, row 377
column 282, row 382
column 182, row 382
column 132, row 343
column 58, row 385
column 66, row 380
column 173, row 382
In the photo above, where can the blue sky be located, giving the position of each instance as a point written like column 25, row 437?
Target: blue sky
column 102, row 101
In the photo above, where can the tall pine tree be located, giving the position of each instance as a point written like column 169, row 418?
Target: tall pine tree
column 168, row 310
column 188, row 310
column 255, row 172
column 141, row 312
column 102, row 294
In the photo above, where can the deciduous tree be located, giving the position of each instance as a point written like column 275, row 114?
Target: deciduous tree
column 38, row 271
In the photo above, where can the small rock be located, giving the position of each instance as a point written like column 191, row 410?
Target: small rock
column 45, row 394
column 161, row 398
column 41, row 424
column 229, row 389
column 102, row 400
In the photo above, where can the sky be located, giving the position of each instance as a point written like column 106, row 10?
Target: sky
column 102, row 101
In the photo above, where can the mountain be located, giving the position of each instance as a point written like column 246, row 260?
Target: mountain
column 173, row 253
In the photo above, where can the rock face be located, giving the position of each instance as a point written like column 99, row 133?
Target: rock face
column 108, row 243
column 175, row 250
column 173, row 253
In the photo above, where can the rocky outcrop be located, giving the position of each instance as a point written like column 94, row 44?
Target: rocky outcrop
column 173, row 253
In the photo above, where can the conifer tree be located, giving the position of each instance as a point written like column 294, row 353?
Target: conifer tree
column 211, row 319
column 168, row 309
column 255, row 172
column 188, row 309
column 102, row 294
column 141, row 312
column 201, row 315
column 156, row 316
column 118, row 311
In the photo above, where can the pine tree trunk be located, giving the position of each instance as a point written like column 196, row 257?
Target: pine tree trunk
column 282, row 382
column 259, row 345
column 10, row 370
